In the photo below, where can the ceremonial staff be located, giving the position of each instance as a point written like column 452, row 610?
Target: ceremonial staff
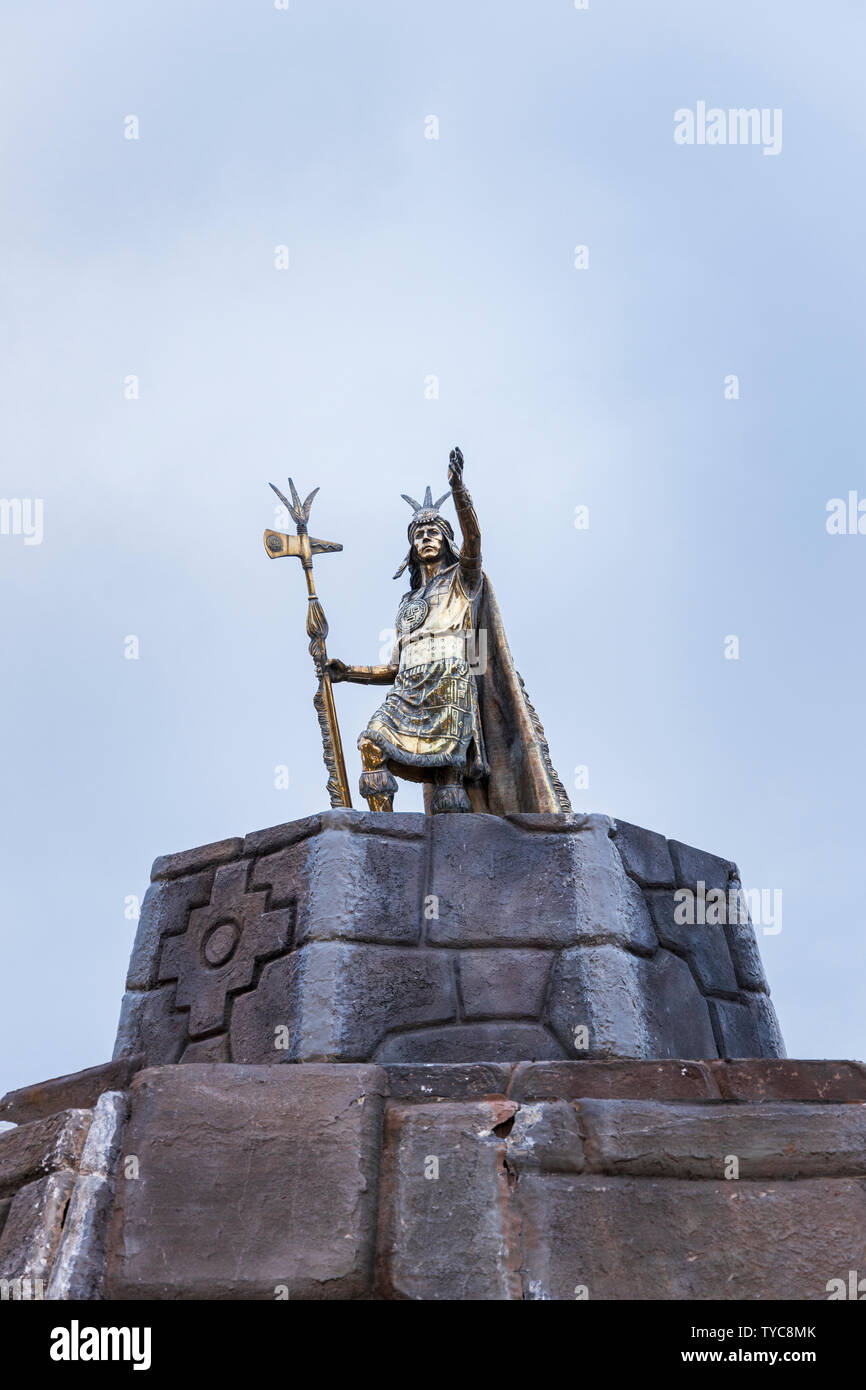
column 305, row 547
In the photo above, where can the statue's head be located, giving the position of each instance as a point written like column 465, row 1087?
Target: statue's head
column 431, row 537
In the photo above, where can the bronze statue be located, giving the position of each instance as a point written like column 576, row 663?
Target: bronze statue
column 458, row 717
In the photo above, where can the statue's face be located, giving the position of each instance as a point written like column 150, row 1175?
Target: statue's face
column 427, row 542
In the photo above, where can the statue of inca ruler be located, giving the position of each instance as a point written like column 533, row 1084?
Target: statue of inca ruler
column 458, row 718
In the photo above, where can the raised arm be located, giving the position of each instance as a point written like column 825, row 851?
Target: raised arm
column 470, row 554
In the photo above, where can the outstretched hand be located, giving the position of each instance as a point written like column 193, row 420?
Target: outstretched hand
column 337, row 670
column 455, row 468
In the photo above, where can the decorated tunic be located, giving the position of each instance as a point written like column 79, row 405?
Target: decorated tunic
column 430, row 717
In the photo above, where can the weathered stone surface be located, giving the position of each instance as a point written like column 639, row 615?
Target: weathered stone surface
column 497, row 885
column 5, row 1204
column 734, row 1027
column 759, row 1079
column 284, row 876
column 546, row 1138
column 526, row 920
column 743, row 945
column 149, row 1023
column 262, row 1182
column 645, row 854
column 773, row 1140
column 767, row 1031
column 677, row 1021
column 79, row 1264
column 277, row 837
column 631, row 1007
column 447, row 1230
column 164, row 912
column 503, row 983
column 705, row 946
column 40, row 1147
column 81, row 1089
column 365, row 888
column 694, row 866
column 707, row 1240
column 266, row 1023
column 447, row 1080
column 338, row 1001
column 609, row 905
column 614, row 1079
column 471, row 1042
column 31, row 1232
column 189, row 861
column 397, row 825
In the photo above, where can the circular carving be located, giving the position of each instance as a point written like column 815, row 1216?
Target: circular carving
column 412, row 614
column 275, row 543
column 221, row 943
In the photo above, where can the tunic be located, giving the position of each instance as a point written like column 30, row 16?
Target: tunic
column 430, row 717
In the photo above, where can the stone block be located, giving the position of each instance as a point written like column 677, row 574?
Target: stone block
column 40, row 1147
column 164, row 912
column 767, row 1031
column 694, row 866
column 631, row 1007
column 744, row 1240
column 746, row 956
column 277, row 837
column 735, row 1028
column 614, row 1079
column 645, row 855
column 498, row 885
column 364, row 887
column 640, row 1138
column 503, row 983
column 261, row 1181
column 499, row 1041
column 79, row 1090
column 80, row 1260
column 759, row 1079
column 150, row 1024
column 284, row 876
column 31, row 1232
column 189, row 861
column 705, row 946
column 447, row 1231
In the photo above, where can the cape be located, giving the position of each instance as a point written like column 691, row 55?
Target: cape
column 522, row 776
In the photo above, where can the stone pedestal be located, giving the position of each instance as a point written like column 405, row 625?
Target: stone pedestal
column 407, row 938
column 512, row 1077
column 593, row 1180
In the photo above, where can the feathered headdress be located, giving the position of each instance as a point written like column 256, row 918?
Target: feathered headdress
column 424, row 513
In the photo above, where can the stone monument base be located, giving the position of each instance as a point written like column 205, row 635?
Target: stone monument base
column 541, row 1180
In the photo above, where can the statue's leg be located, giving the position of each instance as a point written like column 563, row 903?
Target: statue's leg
column 377, row 784
column 449, row 794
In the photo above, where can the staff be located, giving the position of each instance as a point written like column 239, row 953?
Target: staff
column 305, row 547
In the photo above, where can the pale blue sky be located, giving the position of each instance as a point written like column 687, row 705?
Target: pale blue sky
column 411, row 257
